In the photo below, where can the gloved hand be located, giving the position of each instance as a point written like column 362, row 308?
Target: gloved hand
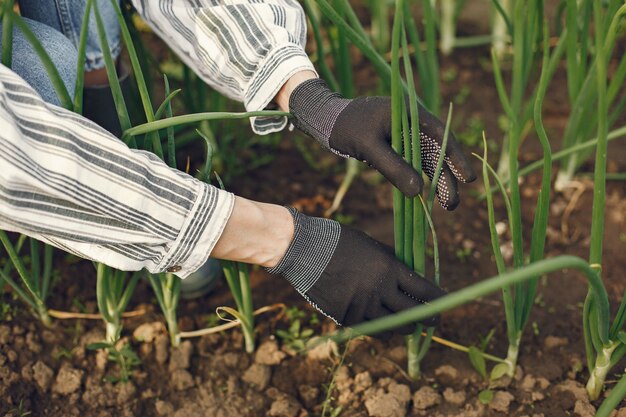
column 349, row 276
column 361, row 129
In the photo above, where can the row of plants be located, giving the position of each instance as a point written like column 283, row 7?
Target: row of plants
column 530, row 46
column 521, row 41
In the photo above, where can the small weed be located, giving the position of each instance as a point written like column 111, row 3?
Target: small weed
column 125, row 358
column 7, row 310
column 485, row 396
column 295, row 338
column 449, row 75
column 19, row 411
column 472, row 136
column 61, row 352
column 327, row 406
column 212, row 320
column 462, row 96
column 463, row 254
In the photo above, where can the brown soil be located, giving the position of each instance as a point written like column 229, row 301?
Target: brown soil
column 51, row 373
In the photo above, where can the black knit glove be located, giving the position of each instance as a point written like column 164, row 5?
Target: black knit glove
column 349, row 276
column 361, row 129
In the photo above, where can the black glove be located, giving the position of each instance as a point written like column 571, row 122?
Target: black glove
column 361, row 129
column 349, row 276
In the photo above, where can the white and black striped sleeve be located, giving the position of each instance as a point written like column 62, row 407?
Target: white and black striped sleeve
column 68, row 182
column 245, row 49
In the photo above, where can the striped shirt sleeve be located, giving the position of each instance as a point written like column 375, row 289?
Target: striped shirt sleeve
column 245, row 49
column 66, row 181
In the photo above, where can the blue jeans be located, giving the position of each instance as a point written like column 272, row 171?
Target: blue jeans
column 57, row 25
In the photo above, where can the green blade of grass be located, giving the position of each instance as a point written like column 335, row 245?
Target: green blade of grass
column 114, row 82
column 507, row 297
column 613, row 399
column 18, row 290
column 483, row 288
column 197, row 117
column 141, row 82
column 7, row 34
column 540, row 224
column 82, row 56
column 169, row 97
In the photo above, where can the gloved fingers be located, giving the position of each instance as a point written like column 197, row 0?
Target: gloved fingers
column 399, row 301
column 418, row 288
column 432, row 131
column 395, row 169
column 447, row 189
column 447, row 186
column 377, row 311
column 456, row 160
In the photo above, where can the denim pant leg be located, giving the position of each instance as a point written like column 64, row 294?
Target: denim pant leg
column 26, row 62
column 67, row 17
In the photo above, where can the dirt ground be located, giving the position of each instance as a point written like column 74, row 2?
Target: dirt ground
column 49, row 371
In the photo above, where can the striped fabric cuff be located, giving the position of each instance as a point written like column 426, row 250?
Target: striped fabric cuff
column 313, row 245
column 279, row 65
column 200, row 232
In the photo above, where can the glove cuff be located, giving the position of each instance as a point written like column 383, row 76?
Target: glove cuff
column 315, row 109
column 313, row 245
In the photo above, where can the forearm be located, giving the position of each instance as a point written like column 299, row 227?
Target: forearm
column 256, row 233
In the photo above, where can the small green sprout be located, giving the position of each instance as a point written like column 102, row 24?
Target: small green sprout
column 125, row 358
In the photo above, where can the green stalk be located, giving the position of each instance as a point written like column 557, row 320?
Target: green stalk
column 432, row 93
column 397, row 104
column 540, row 224
column 325, row 71
column 599, row 186
column 141, row 82
column 194, row 118
column 418, row 223
column 166, row 288
column 507, row 296
column 113, row 295
column 114, row 82
column 613, row 399
column 80, row 64
column 488, row 286
column 171, row 144
column 7, row 33
column 501, row 27
column 248, row 309
column 34, row 297
column 600, row 370
column 238, row 280
column 448, row 27
column 343, row 66
column 602, row 361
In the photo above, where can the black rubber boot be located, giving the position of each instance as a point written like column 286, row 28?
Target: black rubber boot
column 99, row 106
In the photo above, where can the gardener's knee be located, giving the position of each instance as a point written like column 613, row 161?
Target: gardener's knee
column 27, row 64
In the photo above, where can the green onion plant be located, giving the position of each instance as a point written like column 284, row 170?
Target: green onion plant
column 34, row 280
column 583, row 60
column 166, row 286
column 411, row 215
column 238, row 279
column 113, row 291
column 518, row 300
column 603, row 350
